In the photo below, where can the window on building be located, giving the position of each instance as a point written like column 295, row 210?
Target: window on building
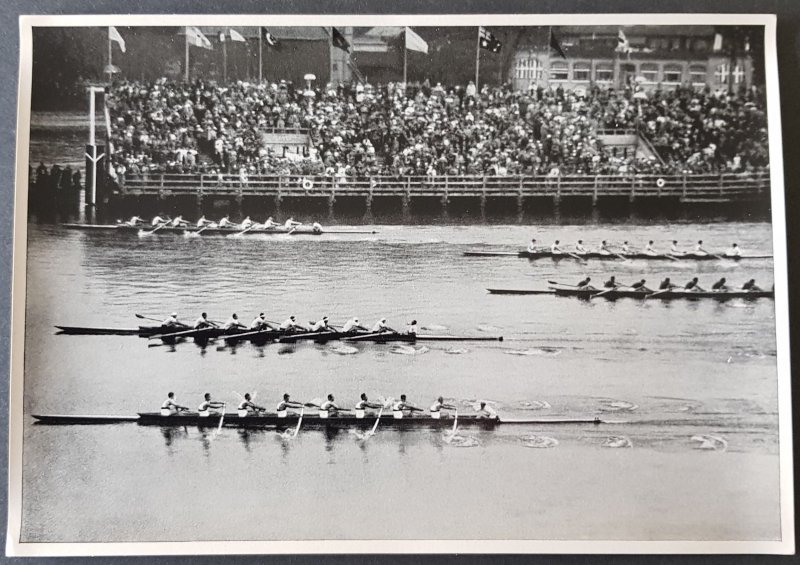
column 581, row 71
column 738, row 74
column 700, row 45
column 721, row 73
column 676, row 44
column 673, row 74
column 697, row 74
column 649, row 72
column 559, row 70
column 528, row 68
column 604, row 73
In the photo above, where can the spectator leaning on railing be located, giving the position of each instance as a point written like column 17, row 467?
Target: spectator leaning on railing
column 426, row 130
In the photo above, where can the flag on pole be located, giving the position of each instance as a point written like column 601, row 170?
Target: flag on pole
column 113, row 35
column 222, row 37
column 414, row 42
column 488, row 41
column 196, row 37
column 269, row 39
column 623, row 45
column 236, row 36
column 556, row 45
column 339, row 40
column 717, row 42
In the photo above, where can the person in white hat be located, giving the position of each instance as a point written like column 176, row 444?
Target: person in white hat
column 290, row 324
column 172, row 321
column 321, row 325
column 381, row 327
column 352, row 325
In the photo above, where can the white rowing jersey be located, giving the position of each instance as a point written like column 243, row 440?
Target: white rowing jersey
column 625, row 249
column 351, row 325
column 579, row 248
column 380, row 326
column 319, row 326
column 289, row 323
column 699, row 248
column 246, row 223
column 199, row 322
column 361, row 405
column 177, row 221
column 171, row 321
column 554, row 248
column 157, row 221
column 328, row 406
column 204, row 406
column 231, row 323
column 270, row 223
column 734, row 251
column 224, row 222
column 169, row 404
column 649, row 249
column 202, row 221
column 531, row 247
column 134, row 221
column 436, row 406
column 673, row 248
column 290, row 223
column 257, row 322
column 412, row 329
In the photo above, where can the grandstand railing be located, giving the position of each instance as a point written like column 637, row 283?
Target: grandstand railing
column 727, row 186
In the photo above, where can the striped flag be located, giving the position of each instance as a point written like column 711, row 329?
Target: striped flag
column 196, row 38
column 113, row 35
column 414, row 42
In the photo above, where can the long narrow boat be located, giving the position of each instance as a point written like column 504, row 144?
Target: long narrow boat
column 640, row 295
column 612, row 256
column 279, row 230
column 313, row 421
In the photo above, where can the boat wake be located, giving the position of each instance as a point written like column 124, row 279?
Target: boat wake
column 409, row 350
column 434, row 328
column 539, row 442
column 456, row 440
column 617, row 442
column 611, row 405
column 489, row 329
column 710, row 443
column 534, row 351
column 534, row 405
column 456, row 351
column 340, row 349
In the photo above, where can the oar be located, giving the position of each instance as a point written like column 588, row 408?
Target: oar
column 299, row 421
column 656, row 293
column 244, row 231
column 574, row 256
column 375, row 425
column 244, row 334
column 561, row 284
column 221, row 418
column 165, row 224
column 368, row 336
column 148, row 318
column 604, row 292
column 671, row 256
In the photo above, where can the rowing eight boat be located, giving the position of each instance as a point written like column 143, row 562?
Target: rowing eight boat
column 279, row 230
column 309, row 421
column 597, row 255
column 641, row 295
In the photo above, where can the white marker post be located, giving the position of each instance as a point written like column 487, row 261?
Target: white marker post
column 91, row 149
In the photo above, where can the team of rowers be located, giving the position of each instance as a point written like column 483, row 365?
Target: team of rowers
column 327, row 408
column 290, row 325
column 626, row 249
column 247, row 224
column 666, row 285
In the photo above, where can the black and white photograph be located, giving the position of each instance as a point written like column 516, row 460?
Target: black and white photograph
column 399, row 284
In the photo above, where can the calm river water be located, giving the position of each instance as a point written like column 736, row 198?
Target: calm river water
column 695, row 382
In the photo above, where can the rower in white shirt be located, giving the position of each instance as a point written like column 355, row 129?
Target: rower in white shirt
column 208, row 406
column 290, row 324
column 555, row 249
column 400, row 407
column 270, row 223
column 225, row 222
column 733, row 251
column 203, row 322
column 170, row 408
column 353, row 325
column 625, row 248
column 603, row 248
column 438, row 406
column 291, row 223
column 698, row 249
column 284, row 405
column 179, row 222
column 260, row 323
column 532, row 247
column 649, row 249
column 329, row 408
column 202, row 222
column 172, row 321
column 364, row 404
column 247, row 223
column 134, row 221
column 673, row 249
column 320, row 325
column 412, row 328
column 249, row 408
column 579, row 248
column 233, row 323
column 159, row 221
column 381, row 327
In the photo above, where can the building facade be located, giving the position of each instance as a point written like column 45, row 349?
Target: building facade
column 655, row 57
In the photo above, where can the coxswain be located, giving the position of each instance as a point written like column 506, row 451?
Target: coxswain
column 402, row 405
column 733, row 251
column 640, row 286
column 611, row 283
column 673, row 249
column 284, row 405
column 751, row 286
column 172, row 321
column 720, row 285
column 270, row 223
column 233, row 323
column 330, row 407
column 291, row 223
column 364, row 404
column 290, row 324
column 439, row 405
column 352, row 325
column 625, row 248
column 412, row 328
column 692, row 286
column 134, row 221
column 179, row 222
column 249, row 408
column 381, row 327
column 603, row 248
column 532, row 247
column 247, row 223
column 485, row 412
column 584, row 284
column 579, row 248
column 666, row 284
column 203, row 322
column 170, row 408
column 321, row 325
column 225, row 222
column 159, row 221
column 555, row 249
column 208, row 406
column 698, row 249
column 649, row 249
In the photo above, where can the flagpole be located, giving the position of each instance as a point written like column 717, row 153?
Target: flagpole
column 405, row 58
column 260, row 63
column 224, row 58
column 477, row 58
column 186, row 65
column 110, row 72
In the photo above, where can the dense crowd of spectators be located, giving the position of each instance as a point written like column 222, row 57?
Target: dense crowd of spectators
column 430, row 130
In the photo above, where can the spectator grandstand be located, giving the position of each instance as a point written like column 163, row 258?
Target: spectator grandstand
column 363, row 130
